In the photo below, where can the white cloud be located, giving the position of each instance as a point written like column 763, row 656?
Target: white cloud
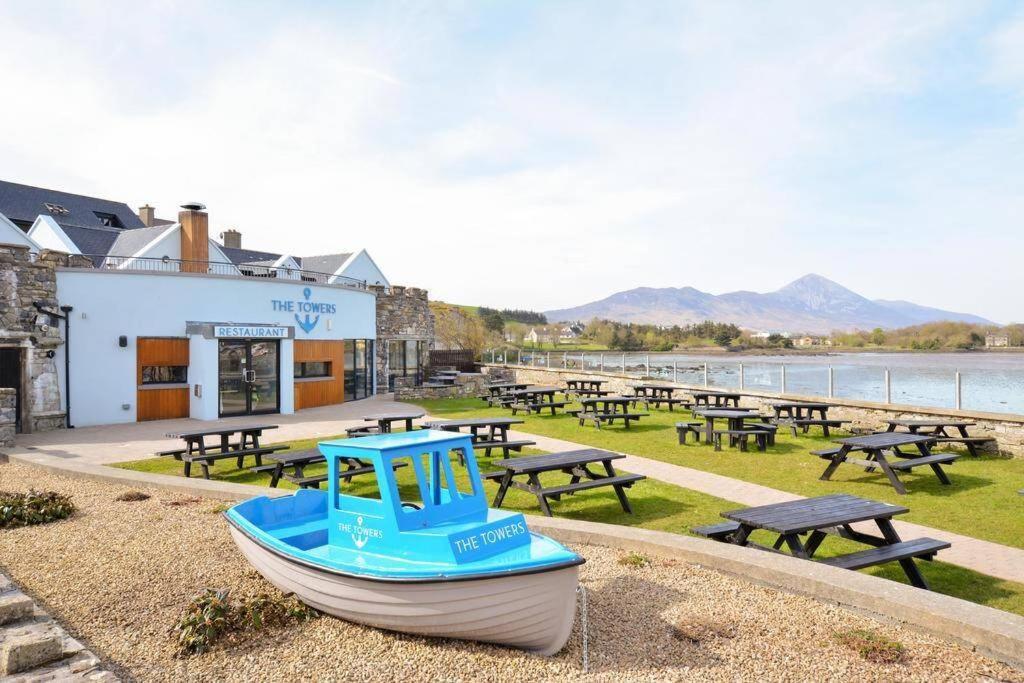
column 542, row 162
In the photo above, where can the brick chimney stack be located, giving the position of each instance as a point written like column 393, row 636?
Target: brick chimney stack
column 231, row 238
column 195, row 238
column 148, row 215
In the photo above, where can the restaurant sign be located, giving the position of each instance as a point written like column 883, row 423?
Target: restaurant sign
column 250, row 331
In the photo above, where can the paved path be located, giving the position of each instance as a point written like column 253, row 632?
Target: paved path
column 106, row 444
column 994, row 559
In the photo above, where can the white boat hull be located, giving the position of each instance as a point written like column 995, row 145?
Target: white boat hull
column 533, row 612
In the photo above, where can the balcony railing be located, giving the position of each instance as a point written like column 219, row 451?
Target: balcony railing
column 135, row 264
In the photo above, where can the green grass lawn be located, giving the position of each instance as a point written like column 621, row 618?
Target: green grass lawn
column 982, row 502
column 656, row 505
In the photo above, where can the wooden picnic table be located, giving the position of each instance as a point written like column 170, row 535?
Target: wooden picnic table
column 656, row 394
column 653, row 390
column 799, row 410
column 197, row 450
column 536, row 399
column 494, row 436
column 824, row 515
column 877, row 445
column 501, row 392
column 607, row 409
column 299, row 460
column 718, row 399
column 386, row 419
column 574, row 463
column 937, row 428
column 249, row 437
column 735, row 418
column 575, row 384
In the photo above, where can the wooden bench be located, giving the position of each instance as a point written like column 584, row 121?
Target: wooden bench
column 176, row 453
column 504, row 446
column 740, row 437
column 207, row 459
column 718, row 532
column 807, row 423
column 537, row 407
column 904, row 551
column 969, row 441
column 765, row 427
column 610, row 418
column 363, row 430
column 684, row 428
column 314, row 481
column 623, row 480
column 649, row 401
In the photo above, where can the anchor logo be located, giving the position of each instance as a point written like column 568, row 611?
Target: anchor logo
column 308, row 324
column 360, row 541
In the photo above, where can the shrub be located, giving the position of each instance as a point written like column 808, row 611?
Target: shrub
column 211, row 615
column 34, row 507
column 132, row 497
column 205, row 620
column 873, row 647
column 635, row 560
column 698, row 630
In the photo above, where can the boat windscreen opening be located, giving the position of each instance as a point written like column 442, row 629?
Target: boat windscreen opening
column 407, row 478
column 365, row 486
column 463, row 482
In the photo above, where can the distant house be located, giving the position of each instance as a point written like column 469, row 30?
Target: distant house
column 996, row 340
column 535, row 337
column 812, row 341
column 567, row 335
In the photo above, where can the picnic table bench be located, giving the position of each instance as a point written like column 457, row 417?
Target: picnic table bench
column 657, row 395
column 500, row 390
column 717, row 399
column 574, row 385
column 817, row 518
column 386, row 419
column 297, row 460
column 607, row 409
column 804, row 424
column 799, row 410
column 354, row 467
column 938, row 430
column 487, row 433
column 877, row 445
column 735, row 418
column 536, row 400
column 575, row 464
column 226, row 446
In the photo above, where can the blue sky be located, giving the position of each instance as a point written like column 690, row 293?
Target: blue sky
column 546, row 154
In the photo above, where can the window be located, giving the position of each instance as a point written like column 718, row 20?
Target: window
column 56, row 209
column 365, row 486
column 164, row 374
column 108, row 219
column 404, row 360
column 358, row 368
column 313, row 368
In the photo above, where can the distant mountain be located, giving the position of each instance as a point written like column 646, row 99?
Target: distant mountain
column 810, row 304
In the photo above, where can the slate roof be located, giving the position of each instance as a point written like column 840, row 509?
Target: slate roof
column 25, row 203
column 93, row 241
column 328, row 263
column 240, row 256
column 131, row 241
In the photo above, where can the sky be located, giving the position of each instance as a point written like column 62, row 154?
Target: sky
column 546, row 154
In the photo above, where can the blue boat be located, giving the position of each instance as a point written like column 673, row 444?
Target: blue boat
column 428, row 557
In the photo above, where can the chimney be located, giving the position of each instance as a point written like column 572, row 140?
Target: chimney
column 231, row 238
column 195, row 238
column 148, row 215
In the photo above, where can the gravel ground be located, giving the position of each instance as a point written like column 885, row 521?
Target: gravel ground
column 117, row 575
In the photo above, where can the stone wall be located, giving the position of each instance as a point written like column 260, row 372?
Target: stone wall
column 26, row 279
column 467, row 385
column 403, row 313
column 7, row 417
column 867, row 416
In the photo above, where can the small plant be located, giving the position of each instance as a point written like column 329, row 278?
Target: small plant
column 178, row 502
column 205, row 620
column 132, row 497
column 873, row 647
column 218, row 509
column 635, row 560
column 210, row 616
column 34, row 507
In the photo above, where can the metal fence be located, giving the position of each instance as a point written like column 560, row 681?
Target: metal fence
column 804, row 379
column 247, row 270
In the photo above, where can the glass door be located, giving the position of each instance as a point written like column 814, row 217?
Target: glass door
column 263, row 377
column 249, row 379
